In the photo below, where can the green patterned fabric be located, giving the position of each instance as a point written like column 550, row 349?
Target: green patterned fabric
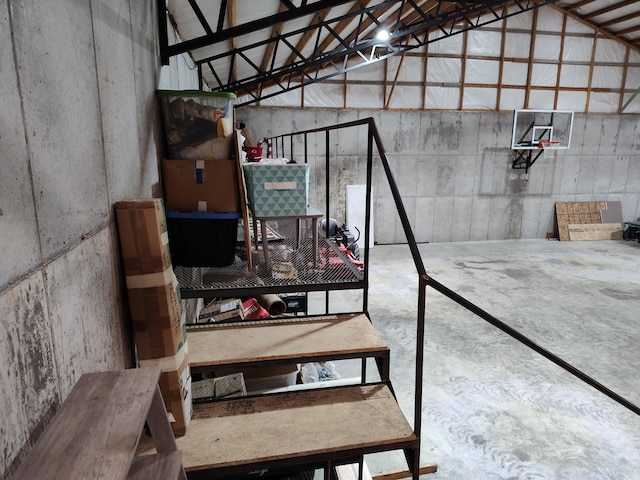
column 277, row 190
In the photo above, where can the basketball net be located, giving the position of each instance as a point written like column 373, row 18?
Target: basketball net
column 546, row 146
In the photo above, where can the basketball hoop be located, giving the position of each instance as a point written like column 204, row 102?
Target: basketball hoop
column 545, row 145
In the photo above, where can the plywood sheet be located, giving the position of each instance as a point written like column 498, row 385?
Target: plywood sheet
column 585, row 213
column 595, row 231
column 280, row 339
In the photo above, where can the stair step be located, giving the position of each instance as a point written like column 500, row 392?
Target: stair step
column 297, row 339
column 296, row 428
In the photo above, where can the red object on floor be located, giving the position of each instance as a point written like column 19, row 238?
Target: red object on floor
column 253, row 310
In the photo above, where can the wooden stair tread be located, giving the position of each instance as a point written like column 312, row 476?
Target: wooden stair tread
column 159, row 465
column 95, row 431
column 281, row 339
column 300, row 425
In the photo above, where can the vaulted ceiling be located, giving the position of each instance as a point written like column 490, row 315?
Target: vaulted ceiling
column 249, row 47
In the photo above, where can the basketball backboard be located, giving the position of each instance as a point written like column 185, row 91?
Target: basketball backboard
column 534, row 129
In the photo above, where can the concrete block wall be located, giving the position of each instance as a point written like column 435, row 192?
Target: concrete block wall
column 454, row 172
column 79, row 131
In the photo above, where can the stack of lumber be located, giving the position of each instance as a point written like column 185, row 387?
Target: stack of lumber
column 589, row 220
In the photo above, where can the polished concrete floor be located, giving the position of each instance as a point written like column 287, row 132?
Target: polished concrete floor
column 492, row 407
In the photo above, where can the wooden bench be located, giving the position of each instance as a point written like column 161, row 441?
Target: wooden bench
column 95, row 432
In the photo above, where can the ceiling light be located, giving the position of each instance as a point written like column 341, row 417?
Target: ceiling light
column 383, row 35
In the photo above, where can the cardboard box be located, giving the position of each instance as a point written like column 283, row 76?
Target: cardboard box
column 175, row 387
column 277, row 190
column 201, row 185
column 159, row 328
column 230, row 310
column 144, row 241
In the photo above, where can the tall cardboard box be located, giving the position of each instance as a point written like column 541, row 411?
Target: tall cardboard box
column 159, row 325
column 144, row 241
column 175, row 387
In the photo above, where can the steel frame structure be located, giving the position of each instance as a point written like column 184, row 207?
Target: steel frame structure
column 408, row 21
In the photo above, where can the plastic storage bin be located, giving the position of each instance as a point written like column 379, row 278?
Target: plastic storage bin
column 202, row 239
column 196, row 123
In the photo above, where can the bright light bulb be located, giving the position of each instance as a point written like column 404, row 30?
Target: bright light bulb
column 383, row 35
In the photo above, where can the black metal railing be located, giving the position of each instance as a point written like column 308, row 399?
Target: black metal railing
column 425, row 280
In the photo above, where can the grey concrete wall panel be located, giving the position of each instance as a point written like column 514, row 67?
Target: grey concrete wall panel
column 146, row 62
column 530, row 218
column 465, row 173
column 609, row 135
column 443, row 213
column 577, row 135
column 592, row 134
column 28, row 382
column 411, row 133
column 603, row 172
column 390, row 132
column 622, row 174
column 85, row 325
column 626, row 134
column 384, row 225
column 587, row 174
column 128, row 177
column 348, row 141
column 461, row 230
column 570, row 172
column 446, row 175
column 19, row 240
column 480, row 211
column 58, row 87
column 425, row 214
column 427, row 175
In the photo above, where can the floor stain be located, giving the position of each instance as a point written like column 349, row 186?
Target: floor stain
column 620, row 295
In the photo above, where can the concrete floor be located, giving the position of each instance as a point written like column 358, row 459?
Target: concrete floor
column 493, row 408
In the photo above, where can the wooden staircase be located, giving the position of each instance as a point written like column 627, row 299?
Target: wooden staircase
column 292, row 430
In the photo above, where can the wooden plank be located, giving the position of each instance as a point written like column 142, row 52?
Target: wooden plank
column 431, row 468
column 347, row 420
column 161, row 465
column 244, row 208
column 95, row 432
column 225, row 344
column 595, row 231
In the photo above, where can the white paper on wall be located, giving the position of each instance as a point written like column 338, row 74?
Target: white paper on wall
column 327, row 94
column 442, row 98
column 602, row 102
column 516, row 45
column 479, row 98
column 549, row 20
column 608, row 50
column 514, row 73
column 406, row 97
column 571, row 100
column 511, row 99
column 365, row 96
column 542, row 100
column 577, row 49
column 482, row 71
column 444, row 70
column 483, row 42
column 574, row 76
column 544, row 74
column 547, row 47
column 356, row 213
column 451, row 44
column 607, row 77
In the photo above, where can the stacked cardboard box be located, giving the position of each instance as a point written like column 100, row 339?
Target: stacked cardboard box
column 154, row 302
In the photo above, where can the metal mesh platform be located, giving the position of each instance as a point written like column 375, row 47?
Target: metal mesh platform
column 331, row 271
